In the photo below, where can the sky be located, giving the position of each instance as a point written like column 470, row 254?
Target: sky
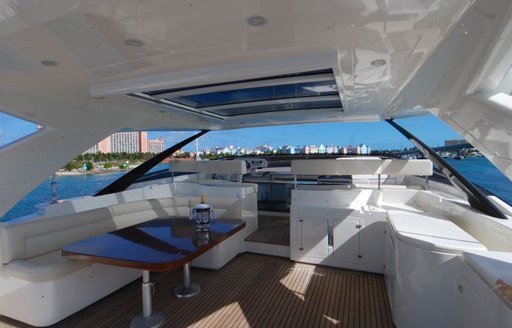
column 377, row 135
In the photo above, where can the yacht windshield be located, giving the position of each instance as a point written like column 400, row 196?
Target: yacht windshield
column 460, row 154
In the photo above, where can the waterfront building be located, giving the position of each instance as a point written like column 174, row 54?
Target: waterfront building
column 92, row 150
column 104, row 146
column 217, row 150
column 178, row 153
column 128, row 142
column 288, row 149
column 246, row 151
column 265, row 149
column 313, row 149
column 321, row 149
column 230, row 150
column 331, row 149
column 156, row 146
column 362, row 149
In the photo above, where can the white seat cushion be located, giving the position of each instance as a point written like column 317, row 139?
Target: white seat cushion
column 43, row 268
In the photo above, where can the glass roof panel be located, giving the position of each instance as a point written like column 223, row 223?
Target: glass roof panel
column 298, row 91
column 256, row 109
column 307, row 89
column 302, row 75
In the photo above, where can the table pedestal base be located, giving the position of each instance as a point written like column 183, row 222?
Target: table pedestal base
column 187, row 289
column 148, row 318
column 156, row 320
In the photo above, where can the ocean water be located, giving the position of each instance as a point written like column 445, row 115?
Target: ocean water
column 68, row 186
column 478, row 169
column 484, row 174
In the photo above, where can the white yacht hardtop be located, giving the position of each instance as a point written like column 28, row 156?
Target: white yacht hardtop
column 86, row 69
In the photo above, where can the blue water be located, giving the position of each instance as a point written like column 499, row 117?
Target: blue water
column 478, row 169
column 484, row 174
column 67, row 187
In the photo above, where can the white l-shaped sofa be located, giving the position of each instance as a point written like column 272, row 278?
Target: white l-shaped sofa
column 40, row 287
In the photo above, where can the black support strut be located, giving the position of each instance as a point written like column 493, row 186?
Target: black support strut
column 126, row 180
column 476, row 197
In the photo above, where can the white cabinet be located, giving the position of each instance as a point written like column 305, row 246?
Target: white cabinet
column 478, row 303
column 313, row 238
column 329, row 241
column 340, row 237
column 346, row 235
column 472, row 310
column 424, row 286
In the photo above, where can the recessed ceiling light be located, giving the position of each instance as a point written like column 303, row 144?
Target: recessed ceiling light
column 134, row 42
column 256, row 20
column 378, row 62
column 50, row 63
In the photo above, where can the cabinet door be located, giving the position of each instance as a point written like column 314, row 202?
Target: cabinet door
column 313, row 237
column 347, row 239
column 478, row 304
column 472, row 308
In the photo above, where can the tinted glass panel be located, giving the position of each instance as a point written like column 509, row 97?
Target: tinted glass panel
column 308, row 89
column 278, row 107
column 270, row 78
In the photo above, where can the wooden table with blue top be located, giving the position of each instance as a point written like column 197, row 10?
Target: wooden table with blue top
column 156, row 245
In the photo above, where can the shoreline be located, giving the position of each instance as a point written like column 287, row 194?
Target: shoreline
column 103, row 171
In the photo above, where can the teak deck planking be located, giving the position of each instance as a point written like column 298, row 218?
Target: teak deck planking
column 272, row 230
column 250, row 291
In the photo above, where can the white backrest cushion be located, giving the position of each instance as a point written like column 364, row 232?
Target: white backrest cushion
column 182, row 166
column 27, row 239
column 358, row 166
column 23, row 240
column 222, row 167
column 129, row 207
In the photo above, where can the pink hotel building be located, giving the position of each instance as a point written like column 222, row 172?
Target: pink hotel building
column 128, row 142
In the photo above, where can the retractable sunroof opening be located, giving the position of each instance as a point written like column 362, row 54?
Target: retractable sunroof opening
column 311, row 90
